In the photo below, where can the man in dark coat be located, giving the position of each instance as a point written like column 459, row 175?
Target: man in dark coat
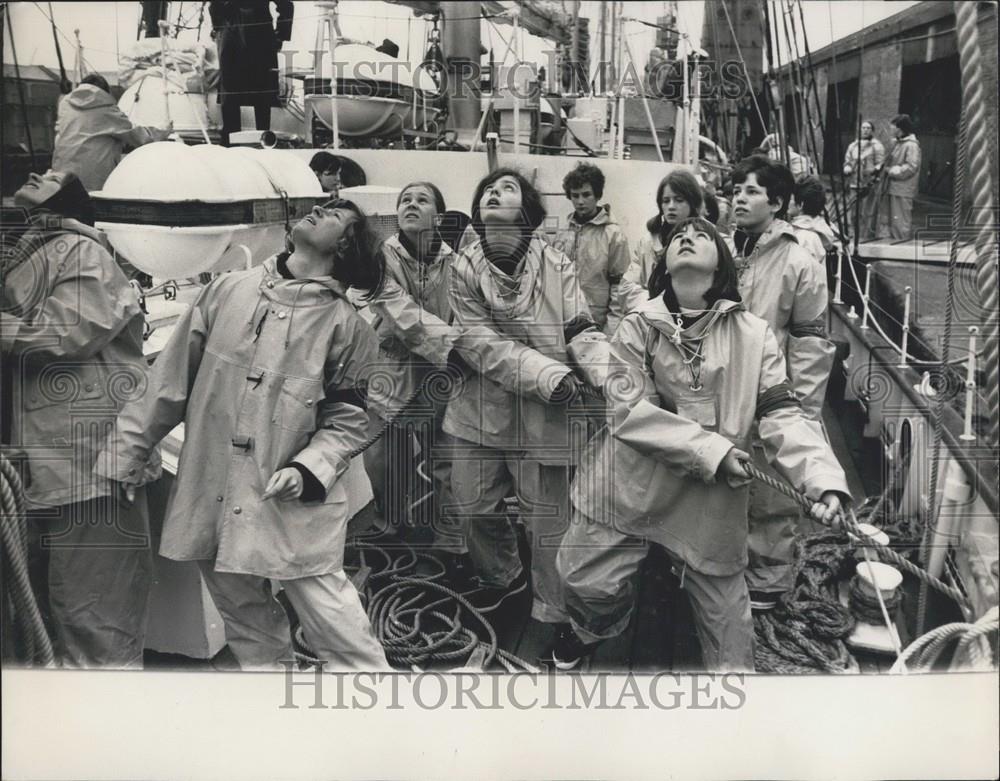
column 249, row 43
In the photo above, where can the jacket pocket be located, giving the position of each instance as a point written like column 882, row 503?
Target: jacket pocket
column 295, row 409
column 66, row 384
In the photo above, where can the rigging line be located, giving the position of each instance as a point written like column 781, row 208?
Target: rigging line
column 774, row 62
column 723, row 112
column 956, row 221
column 20, row 86
column 805, row 70
column 794, row 75
column 839, row 169
column 983, row 190
column 839, row 204
column 69, row 40
column 739, row 54
column 63, row 80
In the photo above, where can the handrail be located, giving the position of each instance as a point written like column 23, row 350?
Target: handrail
column 952, row 421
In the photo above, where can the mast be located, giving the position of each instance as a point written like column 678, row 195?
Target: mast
column 731, row 32
column 460, row 41
column 602, row 75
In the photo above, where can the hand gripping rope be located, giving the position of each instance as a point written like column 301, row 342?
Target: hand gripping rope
column 850, row 524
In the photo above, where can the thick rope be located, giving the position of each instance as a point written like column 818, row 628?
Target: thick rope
column 417, row 619
column 945, row 384
column 15, row 566
column 983, row 213
column 866, row 607
column 850, row 524
column 805, row 632
column 923, row 652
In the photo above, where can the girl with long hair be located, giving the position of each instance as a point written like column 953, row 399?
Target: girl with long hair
column 678, row 197
column 523, row 317
column 692, row 373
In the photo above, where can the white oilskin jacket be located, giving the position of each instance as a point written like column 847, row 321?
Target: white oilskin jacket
column 633, row 289
column 71, row 337
column 601, row 254
column 652, row 473
column 518, row 334
column 414, row 323
column 263, row 371
column 92, row 134
column 783, row 284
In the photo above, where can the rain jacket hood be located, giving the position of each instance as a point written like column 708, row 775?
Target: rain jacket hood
column 88, row 96
column 92, row 133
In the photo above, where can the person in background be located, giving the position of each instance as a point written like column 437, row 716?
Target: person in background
column 327, row 170
column 414, row 323
column 701, row 374
column 249, row 41
column 805, row 210
column 900, row 181
column 780, row 282
column 524, row 325
column 71, row 337
column 92, row 133
column 678, row 197
column 862, row 164
column 267, row 369
column 595, row 243
column 800, row 165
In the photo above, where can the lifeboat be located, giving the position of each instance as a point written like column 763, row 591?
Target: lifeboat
column 377, row 95
column 176, row 211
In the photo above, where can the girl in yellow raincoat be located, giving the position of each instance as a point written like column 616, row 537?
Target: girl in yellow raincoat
column 692, row 372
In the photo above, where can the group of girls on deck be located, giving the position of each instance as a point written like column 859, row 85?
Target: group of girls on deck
column 693, row 382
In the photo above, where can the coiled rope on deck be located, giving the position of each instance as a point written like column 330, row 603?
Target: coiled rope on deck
column 805, row 632
column 17, row 586
column 418, row 620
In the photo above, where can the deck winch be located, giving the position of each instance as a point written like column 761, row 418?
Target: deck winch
column 174, row 210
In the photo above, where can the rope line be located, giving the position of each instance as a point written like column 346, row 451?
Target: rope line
column 17, row 584
column 850, row 524
column 981, row 181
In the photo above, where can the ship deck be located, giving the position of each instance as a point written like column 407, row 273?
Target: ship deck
column 661, row 636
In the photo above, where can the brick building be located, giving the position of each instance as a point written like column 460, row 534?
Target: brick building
column 907, row 63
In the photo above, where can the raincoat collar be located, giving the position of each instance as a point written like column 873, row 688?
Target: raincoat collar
column 772, row 235
column 601, row 217
column 308, row 292
column 510, row 292
column 816, row 224
column 411, row 250
column 407, row 251
column 88, row 96
column 43, row 226
column 658, row 315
